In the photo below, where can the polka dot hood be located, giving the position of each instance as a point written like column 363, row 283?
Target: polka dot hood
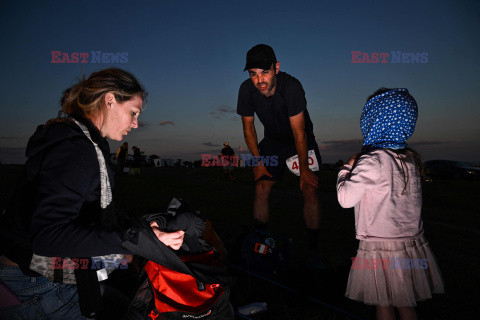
column 388, row 120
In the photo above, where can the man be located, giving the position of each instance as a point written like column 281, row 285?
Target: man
column 227, row 156
column 279, row 101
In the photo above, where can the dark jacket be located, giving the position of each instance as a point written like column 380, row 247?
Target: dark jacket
column 56, row 207
column 56, row 212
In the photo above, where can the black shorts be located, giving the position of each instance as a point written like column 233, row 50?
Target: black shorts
column 277, row 153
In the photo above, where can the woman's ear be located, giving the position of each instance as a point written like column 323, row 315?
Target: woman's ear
column 109, row 99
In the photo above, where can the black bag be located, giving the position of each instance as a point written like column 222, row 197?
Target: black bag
column 267, row 254
column 188, row 283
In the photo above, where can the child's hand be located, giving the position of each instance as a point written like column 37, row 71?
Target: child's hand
column 353, row 159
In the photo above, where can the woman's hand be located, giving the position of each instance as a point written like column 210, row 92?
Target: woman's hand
column 129, row 257
column 172, row 240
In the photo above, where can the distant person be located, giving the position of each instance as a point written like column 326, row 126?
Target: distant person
column 394, row 266
column 137, row 157
column 178, row 163
column 279, row 101
column 227, row 157
column 122, row 154
column 63, row 210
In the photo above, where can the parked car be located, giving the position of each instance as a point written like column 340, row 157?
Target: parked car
column 451, row 169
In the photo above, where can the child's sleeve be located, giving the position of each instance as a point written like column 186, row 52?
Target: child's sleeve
column 352, row 184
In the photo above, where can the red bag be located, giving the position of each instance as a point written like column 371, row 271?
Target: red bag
column 179, row 292
column 181, row 296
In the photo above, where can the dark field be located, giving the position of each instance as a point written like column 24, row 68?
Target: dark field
column 451, row 220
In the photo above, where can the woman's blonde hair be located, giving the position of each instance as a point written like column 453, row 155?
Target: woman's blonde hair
column 88, row 95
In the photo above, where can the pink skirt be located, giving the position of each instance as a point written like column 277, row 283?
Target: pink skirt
column 394, row 273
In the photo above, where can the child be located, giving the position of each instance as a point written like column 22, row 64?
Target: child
column 394, row 265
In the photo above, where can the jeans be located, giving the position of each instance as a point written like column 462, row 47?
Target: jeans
column 41, row 298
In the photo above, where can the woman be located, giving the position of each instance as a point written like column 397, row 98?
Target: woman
column 62, row 206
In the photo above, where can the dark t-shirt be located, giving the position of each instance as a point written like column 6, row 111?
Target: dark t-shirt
column 228, row 151
column 274, row 112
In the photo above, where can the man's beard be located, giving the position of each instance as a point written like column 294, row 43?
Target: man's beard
column 270, row 87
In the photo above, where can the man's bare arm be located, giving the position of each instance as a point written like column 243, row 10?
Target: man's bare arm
column 252, row 142
column 301, row 143
column 250, row 135
column 307, row 176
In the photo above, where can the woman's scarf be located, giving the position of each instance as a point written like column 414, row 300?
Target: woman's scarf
column 388, row 120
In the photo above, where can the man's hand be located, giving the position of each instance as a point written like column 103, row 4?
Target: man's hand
column 172, row 240
column 307, row 176
column 260, row 171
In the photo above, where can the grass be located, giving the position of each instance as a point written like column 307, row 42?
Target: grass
column 451, row 220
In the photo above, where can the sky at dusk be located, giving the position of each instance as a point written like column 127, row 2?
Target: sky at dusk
column 190, row 56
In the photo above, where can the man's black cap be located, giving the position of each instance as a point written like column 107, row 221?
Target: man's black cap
column 261, row 56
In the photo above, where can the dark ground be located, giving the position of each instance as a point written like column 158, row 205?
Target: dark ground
column 451, row 220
